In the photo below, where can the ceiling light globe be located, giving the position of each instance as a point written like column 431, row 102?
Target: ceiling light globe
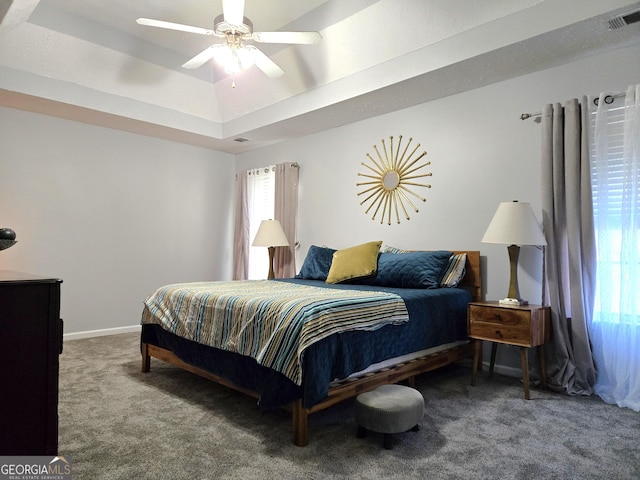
column 232, row 65
column 246, row 56
column 223, row 55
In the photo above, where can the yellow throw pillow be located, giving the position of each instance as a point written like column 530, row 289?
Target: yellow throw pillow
column 354, row 262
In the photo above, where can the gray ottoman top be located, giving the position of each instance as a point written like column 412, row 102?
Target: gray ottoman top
column 391, row 397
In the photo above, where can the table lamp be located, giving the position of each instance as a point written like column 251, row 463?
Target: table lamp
column 514, row 224
column 270, row 234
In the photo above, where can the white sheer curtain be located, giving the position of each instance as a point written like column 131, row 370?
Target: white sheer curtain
column 261, row 201
column 615, row 328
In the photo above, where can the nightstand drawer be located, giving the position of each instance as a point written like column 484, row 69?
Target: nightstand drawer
column 495, row 332
column 507, row 317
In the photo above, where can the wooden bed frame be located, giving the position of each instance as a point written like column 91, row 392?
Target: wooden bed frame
column 352, row 386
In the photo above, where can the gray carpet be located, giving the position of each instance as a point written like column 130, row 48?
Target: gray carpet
column 118, row 423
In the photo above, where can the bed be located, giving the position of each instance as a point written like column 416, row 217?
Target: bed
column 341, row 339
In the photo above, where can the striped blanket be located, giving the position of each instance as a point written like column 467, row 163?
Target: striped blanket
column 272, row 322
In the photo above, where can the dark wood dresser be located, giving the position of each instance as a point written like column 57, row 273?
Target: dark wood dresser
column 30, row 342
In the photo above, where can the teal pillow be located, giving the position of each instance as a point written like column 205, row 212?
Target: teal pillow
column 411, row 270
column 317, row 263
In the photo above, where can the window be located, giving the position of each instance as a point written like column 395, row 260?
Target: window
column 615, row 184
column 606, row 176
column 261, row 202
column 262, row 194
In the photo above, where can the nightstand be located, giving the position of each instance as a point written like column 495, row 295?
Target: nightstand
column 523, row 326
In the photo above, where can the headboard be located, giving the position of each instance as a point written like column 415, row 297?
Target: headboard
column 472, row 279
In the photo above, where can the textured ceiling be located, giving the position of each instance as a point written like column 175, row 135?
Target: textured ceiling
column 88, row 60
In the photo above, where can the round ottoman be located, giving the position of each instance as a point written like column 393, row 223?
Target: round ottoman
column 389, row 409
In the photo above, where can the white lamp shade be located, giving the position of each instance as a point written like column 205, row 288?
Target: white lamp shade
column 514, row 223
column 270, row 234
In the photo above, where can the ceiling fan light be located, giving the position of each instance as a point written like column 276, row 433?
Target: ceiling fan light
column 246, row 56
column 232, row 66
column 223, row 55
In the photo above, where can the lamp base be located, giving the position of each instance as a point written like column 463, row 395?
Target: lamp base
column 513, row 301
column 272, row 274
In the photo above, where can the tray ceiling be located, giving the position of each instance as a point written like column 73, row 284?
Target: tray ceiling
column 88, row 60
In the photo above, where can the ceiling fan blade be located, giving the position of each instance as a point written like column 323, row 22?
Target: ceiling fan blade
column 202, row 58
column 174, row 26
column 268, row 66
column 233, row 11
column 287, row 37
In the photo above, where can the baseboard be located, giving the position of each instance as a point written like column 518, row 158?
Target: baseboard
column 101, row 333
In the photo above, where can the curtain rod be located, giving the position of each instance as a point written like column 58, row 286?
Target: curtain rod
column 608, row 99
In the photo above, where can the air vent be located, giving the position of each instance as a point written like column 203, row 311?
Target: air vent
column 624, row 20
column 241, row 140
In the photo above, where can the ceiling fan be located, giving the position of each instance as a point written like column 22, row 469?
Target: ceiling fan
column 234, row 54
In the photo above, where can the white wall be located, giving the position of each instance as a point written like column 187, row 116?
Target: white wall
column 116, row 214
column 113, row 214
column 481, row 154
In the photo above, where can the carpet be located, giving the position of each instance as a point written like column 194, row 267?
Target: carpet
column 118, row 423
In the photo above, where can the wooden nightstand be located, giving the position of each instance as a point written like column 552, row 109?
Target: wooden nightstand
column 524, row 326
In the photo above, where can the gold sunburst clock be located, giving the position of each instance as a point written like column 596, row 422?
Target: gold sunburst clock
column 391, row 177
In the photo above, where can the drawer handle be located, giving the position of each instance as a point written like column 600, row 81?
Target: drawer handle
column 498, row 334
column 497, row 316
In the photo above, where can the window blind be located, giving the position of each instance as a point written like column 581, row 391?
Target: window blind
column 607, row 169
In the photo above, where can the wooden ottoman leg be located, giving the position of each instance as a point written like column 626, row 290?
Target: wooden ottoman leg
column 361, row 432
column 387, row 441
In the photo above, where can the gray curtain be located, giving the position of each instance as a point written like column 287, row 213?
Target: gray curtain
column 570, row 260
column 241, row 230
column 286, row 211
